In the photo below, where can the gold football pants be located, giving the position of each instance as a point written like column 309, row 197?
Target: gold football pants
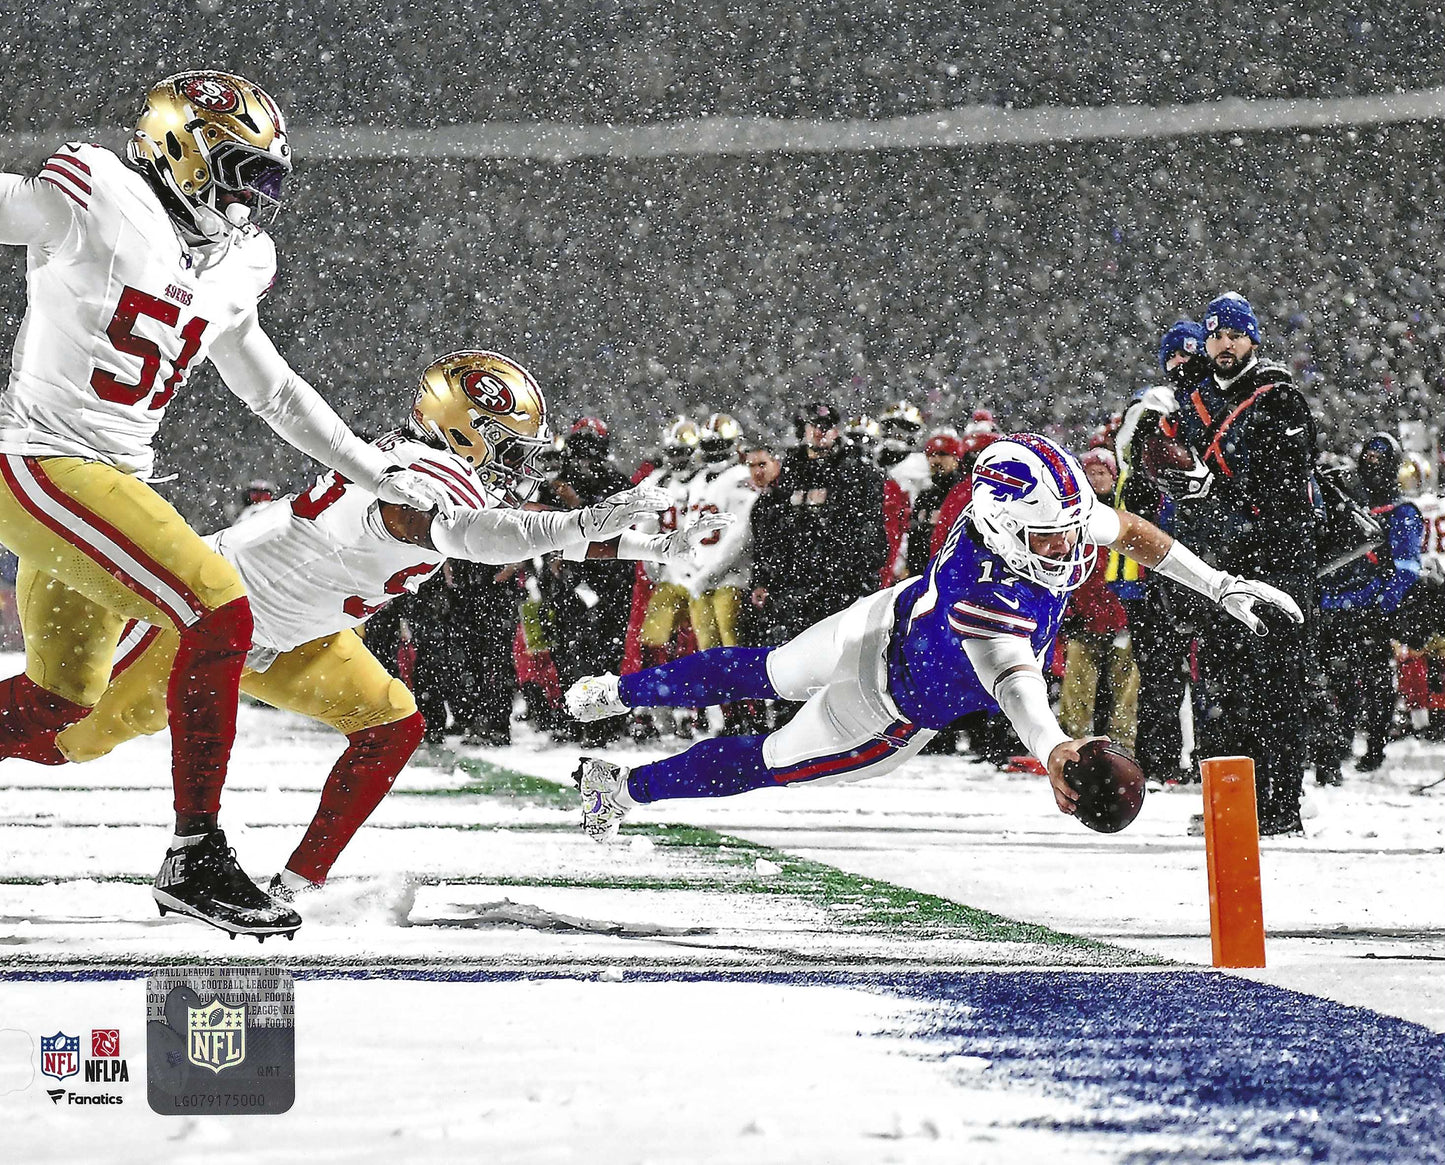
column 334, row 679
column 668, row 601
column 98, row 547
column 715, row 618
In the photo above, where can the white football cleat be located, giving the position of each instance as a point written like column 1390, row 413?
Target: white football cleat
column 595, row 698
column 600, row 782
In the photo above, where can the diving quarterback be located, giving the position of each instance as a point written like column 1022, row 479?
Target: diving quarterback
column 880, row 677
column 137, row 269
column 318, row 564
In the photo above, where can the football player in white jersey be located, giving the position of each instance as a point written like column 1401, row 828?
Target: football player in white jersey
column 722, row 486
column 669, row 597
column 138, row 269
column 318, row 564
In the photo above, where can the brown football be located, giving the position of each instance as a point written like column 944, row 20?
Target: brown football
column 1110, row 785
column 1160, row 453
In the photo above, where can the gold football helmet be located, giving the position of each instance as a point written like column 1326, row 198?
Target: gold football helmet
column 487, row 409
column 719, row 437
column 213, row 146
column 679, row 441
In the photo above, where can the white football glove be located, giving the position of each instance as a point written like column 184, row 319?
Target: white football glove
column 681, row 545
column 1239, row 595
column 406, row 487
column 609, row 517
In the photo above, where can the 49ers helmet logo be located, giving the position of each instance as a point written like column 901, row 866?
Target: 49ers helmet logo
column 489, row 391
column 212, row 93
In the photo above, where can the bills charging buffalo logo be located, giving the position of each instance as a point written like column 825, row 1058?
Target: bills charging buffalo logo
column 59, row 1055
column 216, row 1035
column 1008, row 479
column 489, row 391
column 104, row 1041
column 213, row 93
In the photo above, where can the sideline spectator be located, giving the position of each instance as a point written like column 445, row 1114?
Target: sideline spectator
column 1253, row 429
column 1359, row 605
column 827, row 545
column 944, row 450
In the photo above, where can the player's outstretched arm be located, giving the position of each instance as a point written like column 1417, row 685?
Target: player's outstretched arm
column 679, row 545
column 1006, row 666
column 258, row 374
column 1149, row 546
column 501, row 536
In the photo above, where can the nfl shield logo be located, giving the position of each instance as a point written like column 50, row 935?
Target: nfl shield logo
column 216, row 1035
column 60, row 1055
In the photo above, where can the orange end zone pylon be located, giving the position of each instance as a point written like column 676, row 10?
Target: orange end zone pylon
column 1231, row 848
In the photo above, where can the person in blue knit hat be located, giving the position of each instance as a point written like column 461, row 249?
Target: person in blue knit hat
column 1181, row 352
column 1252, row 428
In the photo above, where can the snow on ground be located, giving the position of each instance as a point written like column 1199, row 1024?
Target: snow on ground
column 805, row 976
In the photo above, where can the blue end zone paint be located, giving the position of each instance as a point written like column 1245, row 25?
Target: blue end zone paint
column 1215, row 1067
column 1238, row 1070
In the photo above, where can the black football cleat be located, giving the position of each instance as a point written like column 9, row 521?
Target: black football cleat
column 204, row 881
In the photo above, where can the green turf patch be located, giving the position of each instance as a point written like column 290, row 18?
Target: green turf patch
column 485, row 779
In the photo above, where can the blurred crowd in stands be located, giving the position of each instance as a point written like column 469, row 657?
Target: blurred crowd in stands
column 336, row 62
column 1028, row 279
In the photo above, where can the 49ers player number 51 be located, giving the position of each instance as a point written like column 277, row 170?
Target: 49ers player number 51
column 137, row 269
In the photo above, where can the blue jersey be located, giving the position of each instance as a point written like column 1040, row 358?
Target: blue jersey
column 965, row 593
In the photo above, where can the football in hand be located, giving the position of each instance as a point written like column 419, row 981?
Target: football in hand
column 1160, row 454
column 1110, row 785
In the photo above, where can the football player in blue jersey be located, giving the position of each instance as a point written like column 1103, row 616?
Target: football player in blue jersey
column 880, row 677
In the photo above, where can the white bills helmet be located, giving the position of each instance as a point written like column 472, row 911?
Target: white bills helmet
column 1026, row 484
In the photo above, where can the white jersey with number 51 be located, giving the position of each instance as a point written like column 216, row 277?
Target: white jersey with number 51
column 120, row 310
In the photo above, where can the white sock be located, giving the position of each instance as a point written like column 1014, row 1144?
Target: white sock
column 623, row 796
column 294, row 881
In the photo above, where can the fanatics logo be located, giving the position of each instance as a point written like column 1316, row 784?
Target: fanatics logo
column 104, row 1041
column 1211, row 323
column 59, row 1055
column 1191, row 345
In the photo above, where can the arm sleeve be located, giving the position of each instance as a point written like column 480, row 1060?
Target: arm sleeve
column 32, row 212
column 505, row 536
column 1022, row 694
column 259, row 375
column 1407, row 537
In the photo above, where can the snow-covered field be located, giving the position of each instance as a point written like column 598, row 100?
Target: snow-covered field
column 934, row 966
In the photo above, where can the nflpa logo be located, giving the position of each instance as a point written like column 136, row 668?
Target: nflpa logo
column 104, row 1042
